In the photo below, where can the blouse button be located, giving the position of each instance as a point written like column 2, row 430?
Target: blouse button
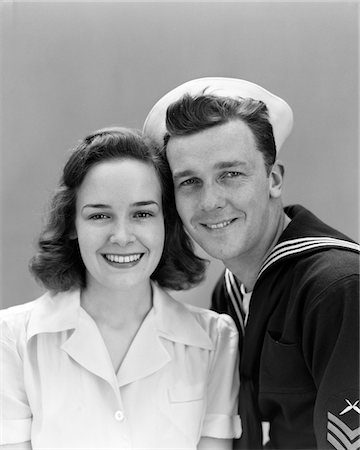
column 119, row 415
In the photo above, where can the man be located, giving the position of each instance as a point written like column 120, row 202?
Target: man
column 291, row 282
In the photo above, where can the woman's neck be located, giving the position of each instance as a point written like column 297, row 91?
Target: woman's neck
column 115, row 307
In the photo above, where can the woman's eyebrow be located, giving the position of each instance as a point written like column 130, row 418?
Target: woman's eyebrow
column 102, row 205
column 96, row 205
column 146, row 203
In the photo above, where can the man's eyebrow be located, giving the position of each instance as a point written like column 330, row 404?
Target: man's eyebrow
column 183, row 173
column 228, row 164
column 219, row 165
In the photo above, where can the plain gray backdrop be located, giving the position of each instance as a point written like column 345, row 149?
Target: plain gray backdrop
column 70, row 68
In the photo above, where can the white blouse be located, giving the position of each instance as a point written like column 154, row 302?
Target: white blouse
column 178, row 382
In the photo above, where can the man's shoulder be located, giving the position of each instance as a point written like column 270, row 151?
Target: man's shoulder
column 312, row 248
column 329, row 264
column 320, row 279
column 305, row 224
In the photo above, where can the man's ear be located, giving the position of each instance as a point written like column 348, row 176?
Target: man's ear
column 276, row 179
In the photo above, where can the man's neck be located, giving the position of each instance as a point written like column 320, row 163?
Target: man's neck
column 246, row 269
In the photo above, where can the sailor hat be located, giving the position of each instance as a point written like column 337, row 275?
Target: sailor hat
column 280, row 113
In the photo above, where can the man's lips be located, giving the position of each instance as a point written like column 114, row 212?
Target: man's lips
column 218, row 225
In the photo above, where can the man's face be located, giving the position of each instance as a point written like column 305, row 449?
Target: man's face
column 223, row 193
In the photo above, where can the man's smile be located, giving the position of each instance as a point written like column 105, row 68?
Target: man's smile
column 218, row 225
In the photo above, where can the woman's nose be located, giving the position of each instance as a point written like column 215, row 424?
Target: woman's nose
column 122, row 234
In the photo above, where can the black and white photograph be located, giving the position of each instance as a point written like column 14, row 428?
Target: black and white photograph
column 179, row 225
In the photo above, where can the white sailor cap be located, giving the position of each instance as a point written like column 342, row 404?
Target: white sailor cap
column 280, row 113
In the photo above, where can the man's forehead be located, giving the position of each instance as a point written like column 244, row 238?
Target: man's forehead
column 231, row 137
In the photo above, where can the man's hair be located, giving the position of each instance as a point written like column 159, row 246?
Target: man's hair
column 191, row 114
column 58, row 264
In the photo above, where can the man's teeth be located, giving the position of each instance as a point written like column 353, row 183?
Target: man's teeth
column 215, row 226
column 123, row 259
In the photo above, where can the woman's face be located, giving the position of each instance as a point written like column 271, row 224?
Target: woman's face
column 119, row 223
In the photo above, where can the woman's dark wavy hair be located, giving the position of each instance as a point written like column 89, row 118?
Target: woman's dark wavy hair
column 58, row 264
column 191, row 114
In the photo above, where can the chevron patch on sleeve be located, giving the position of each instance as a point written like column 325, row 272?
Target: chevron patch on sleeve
column 343, row 427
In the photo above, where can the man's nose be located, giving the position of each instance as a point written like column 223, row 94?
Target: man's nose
column 122, row 233
column 211, row 197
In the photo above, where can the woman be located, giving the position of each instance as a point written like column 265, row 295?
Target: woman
column 106, row 358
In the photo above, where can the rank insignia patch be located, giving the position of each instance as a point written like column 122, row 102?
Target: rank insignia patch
column 343, row 430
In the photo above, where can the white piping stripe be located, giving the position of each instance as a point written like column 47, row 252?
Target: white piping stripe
column 233, row 284
column 295, row 243
column 315, row 238
column 233, row 299
column 311, row 243
column 238, row 295
column 280, row 251
column 293, row 250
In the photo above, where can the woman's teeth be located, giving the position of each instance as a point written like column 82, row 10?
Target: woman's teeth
column 123, row 259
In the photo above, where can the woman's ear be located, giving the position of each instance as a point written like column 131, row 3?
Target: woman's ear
column 276, row 179
column 73, row 234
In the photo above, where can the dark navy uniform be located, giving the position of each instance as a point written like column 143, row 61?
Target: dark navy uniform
column 300, row 351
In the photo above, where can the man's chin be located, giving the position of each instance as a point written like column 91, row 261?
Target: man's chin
column 216, row 247
column 218, row 252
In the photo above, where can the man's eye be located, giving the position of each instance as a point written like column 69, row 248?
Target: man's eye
column 98, row 217
column 189, row 182
column 231, row 174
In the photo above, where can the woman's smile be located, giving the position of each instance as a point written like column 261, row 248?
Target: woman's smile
column 123, row 261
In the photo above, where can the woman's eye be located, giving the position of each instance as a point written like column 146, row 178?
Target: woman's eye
column 143, row 215
column 98, row 217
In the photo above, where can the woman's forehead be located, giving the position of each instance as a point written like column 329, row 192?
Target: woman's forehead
column 127, row 178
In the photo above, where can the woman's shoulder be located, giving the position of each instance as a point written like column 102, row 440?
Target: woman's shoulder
column 211, row 320
column 14, row 319
column 213, row 324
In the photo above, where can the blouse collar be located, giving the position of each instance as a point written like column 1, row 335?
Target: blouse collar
column 173, row 320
